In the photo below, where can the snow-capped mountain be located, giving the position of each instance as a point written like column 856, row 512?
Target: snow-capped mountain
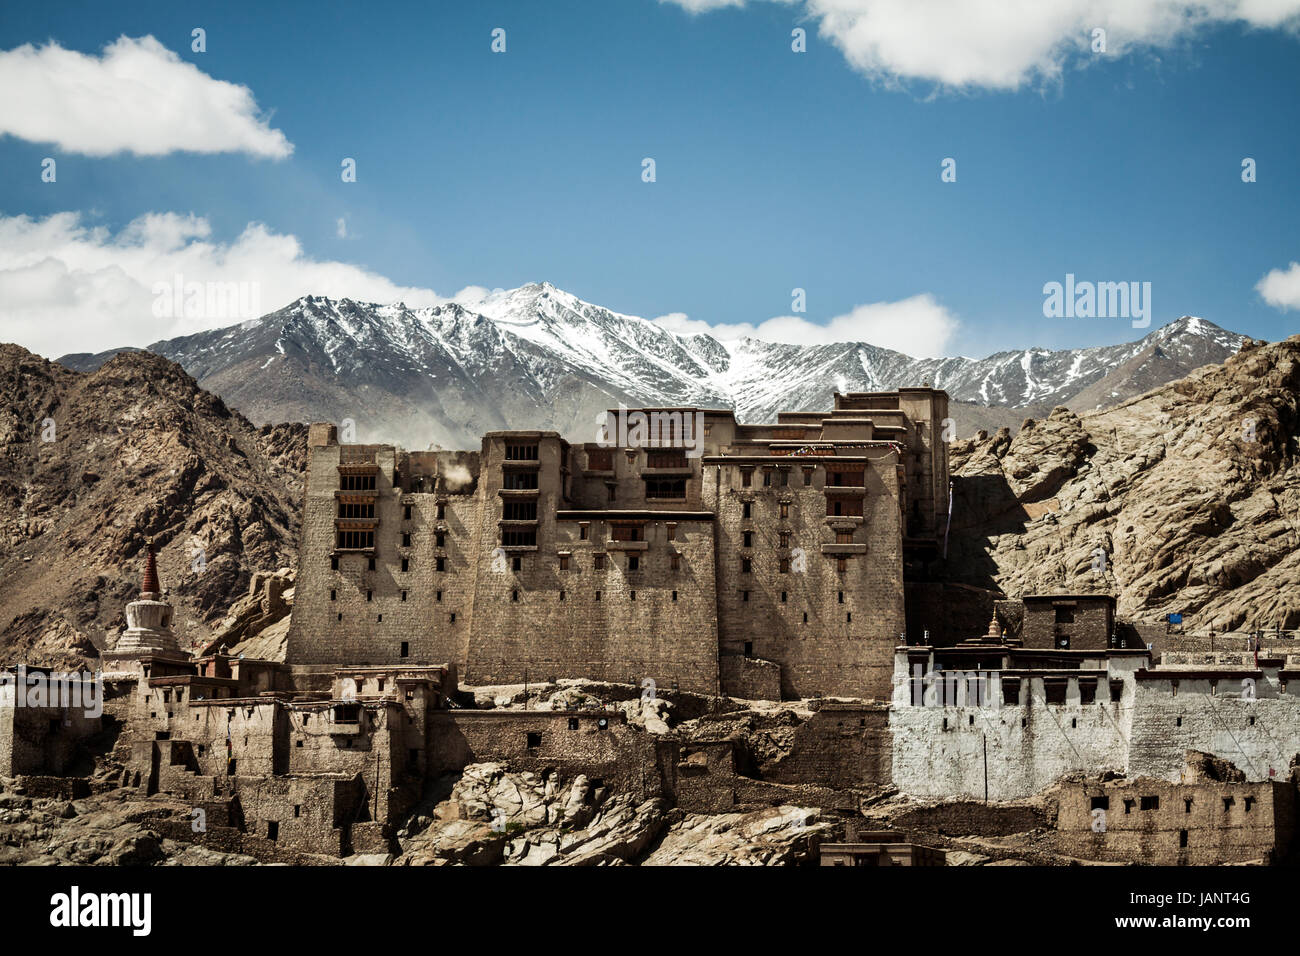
column 539, row 357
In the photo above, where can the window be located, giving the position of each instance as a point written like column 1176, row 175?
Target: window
column 357, row 482
column 784, row 566
column 561, row 595
column 665, row 488
column 843, row 537
column 406, row 539
column 516, row 564
column 334, row 564
column 841, row 564
column 746, row 477
column 1182, row 838
column 672, row 531
column 749, row 648
column 333, row 594
column 747, row 539
column 783, row 597
column 784, row 539
column 633, row 594
column 808, row 476
column 626, row 532
column 675, row 562
column 674, row 595
column 1187, row 805
column 370, row 595
column 521, row 511
column 597, row 595
column 598, row 562
column 350, row 539
column 452, row 618
column 1064, row 615
column 666, row 459
column 406, row 512
column 519, row 539
column 767, row 477
column 442, row 512
column 600, row 460
column 564, row 563
column 406, row 564
column 841, row 597
column 747, row 510
column 744, row 596
column 514, row 595
column 272, row 830
column 1100, row 803
column 440, row 564
column 583, row 530
column 746, row 566
column 404, row 596
column 519, row 480
column 1150, row 803
column 848, row 618
column 406, row 649
column 613, row 492
column 785, row 509
column 438, row 597
column 440, row 539
column 573, row 723
column 1250, row 802
column 633, row 563
column 534, row 740
column 356, row 509
column 370, row 562
column 521, row 452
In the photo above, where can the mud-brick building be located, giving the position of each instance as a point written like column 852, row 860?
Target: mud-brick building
column 680, row 546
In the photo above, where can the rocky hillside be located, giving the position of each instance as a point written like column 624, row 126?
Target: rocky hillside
column 94, row 465
column 1185, row 499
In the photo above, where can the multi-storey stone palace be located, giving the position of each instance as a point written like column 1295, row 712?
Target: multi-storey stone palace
column 762, row 561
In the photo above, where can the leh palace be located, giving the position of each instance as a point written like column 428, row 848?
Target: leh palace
column 636, row 613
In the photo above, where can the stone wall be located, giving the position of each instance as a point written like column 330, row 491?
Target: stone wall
column 1008, row 751
column 615, row 755
column 831, row 631
column 1176, row 713
column 1159, row 823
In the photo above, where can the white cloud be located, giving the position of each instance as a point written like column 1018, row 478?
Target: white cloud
column 917, row 326
column 66, row 286
column 997, row 44
column 1280, row 288
column 139, row 97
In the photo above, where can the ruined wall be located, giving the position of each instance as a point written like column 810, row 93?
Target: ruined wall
column 1158, row 823
column 843, row 745
column 616, row 755
column 42, row 739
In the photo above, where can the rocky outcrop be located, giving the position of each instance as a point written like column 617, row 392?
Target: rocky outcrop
column 1181, row 500
column 494, row 816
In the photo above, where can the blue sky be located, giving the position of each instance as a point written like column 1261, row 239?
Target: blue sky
column 774, row 170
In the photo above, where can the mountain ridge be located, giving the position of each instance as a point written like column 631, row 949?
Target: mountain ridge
column 540, row 357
